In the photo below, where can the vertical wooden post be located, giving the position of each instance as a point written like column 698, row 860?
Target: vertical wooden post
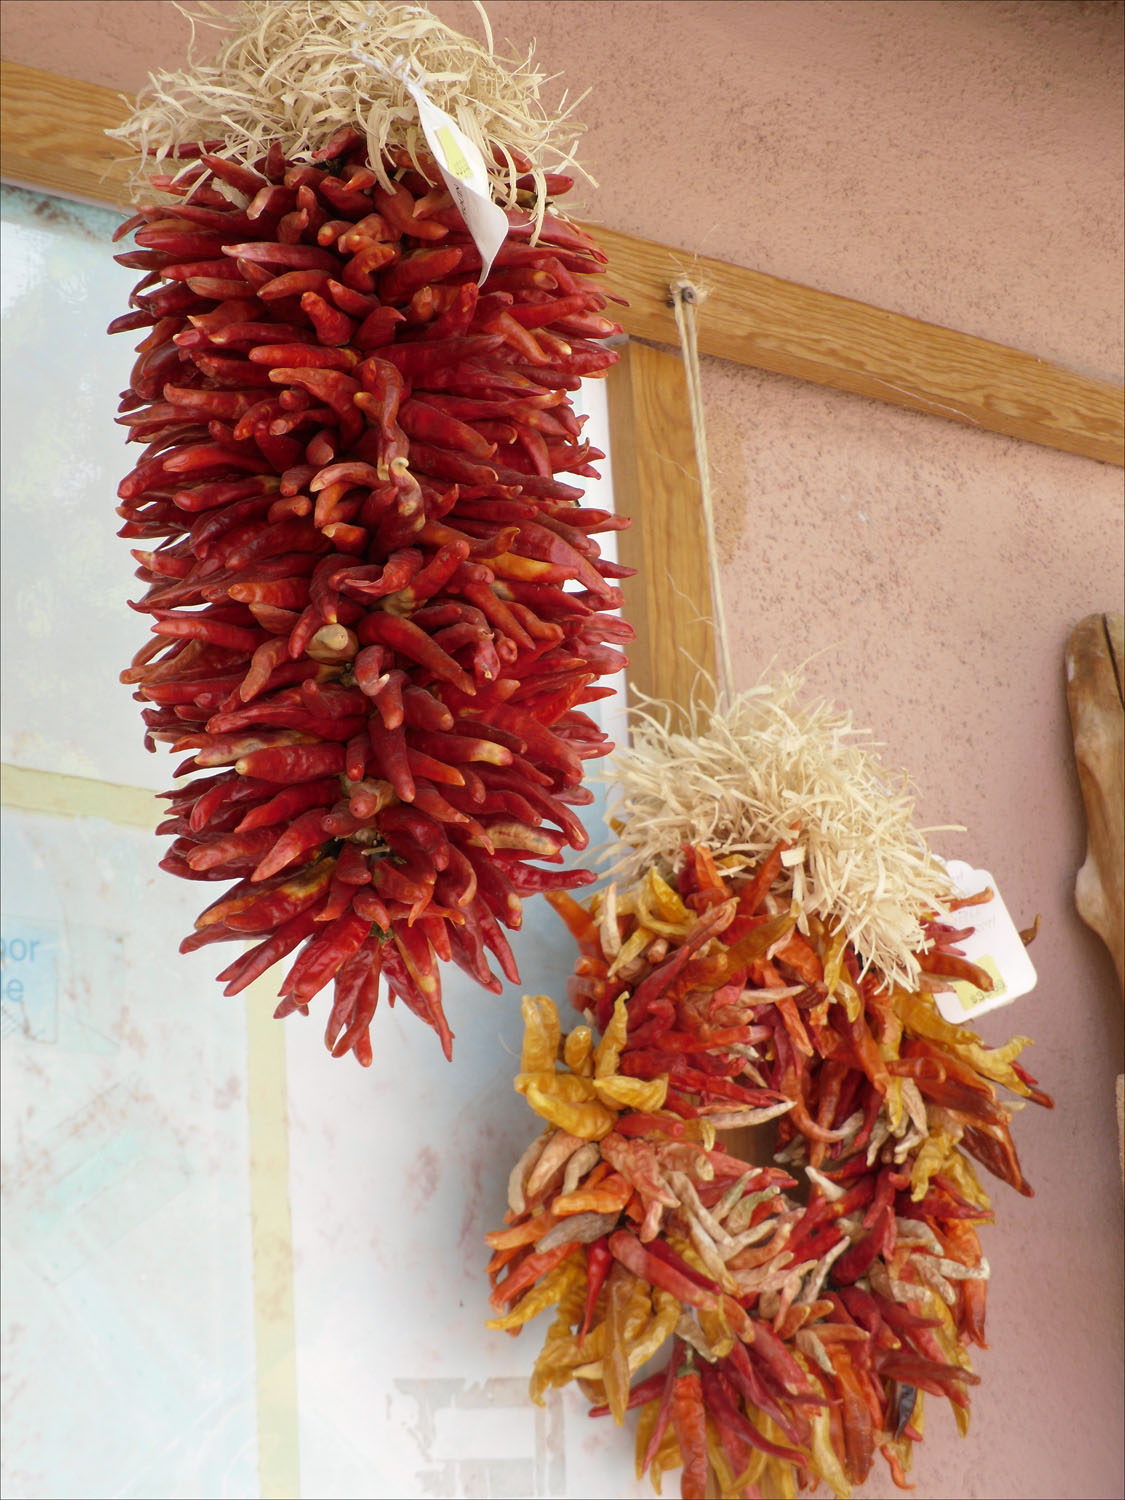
column 656, row 481
column 669, row 602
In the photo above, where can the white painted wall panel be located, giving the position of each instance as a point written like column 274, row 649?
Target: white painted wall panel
column 127, row 1306
column 66, row 629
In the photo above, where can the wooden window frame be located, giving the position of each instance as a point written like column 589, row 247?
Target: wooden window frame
column 52, row 137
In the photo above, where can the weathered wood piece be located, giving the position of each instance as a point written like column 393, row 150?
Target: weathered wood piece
column 1095, row 694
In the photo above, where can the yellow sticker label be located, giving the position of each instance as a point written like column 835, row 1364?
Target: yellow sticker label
column 454, row 157
column 970, row 995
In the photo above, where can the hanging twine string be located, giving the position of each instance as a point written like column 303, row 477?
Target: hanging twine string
column 686, row 297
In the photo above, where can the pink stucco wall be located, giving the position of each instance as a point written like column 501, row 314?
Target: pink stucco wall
column 959, row 161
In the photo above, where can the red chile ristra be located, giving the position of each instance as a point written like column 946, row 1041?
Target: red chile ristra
column 377, row 611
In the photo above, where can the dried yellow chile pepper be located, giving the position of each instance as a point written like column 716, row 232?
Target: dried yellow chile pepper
column 632, row 1093
column 668, row 1309
column 614, row 1373
column 715, row 1330
column 554, row 1286
column 645, row 1333
column 834, row 960
column 608, row 1051
column 572, row 1112
column 551, row 1370
column 668, row 1456
column 562, row 1085
column 660, row 909
column 632, row 948
column 577, row 1049
column 922, row 1017
column 828, row 1465
column 931, row 1158
column 541, row 1034
column 961, row 1172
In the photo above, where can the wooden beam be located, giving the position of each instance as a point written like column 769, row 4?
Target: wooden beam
column 656, row 482
column 53, row 138
column 52, row 135
column 754, row 319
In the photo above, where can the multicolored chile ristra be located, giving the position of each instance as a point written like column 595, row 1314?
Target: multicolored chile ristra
column 798, row 1312
column 377, row 610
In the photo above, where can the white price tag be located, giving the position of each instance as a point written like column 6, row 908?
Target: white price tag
column 461, row 166
column 994, row 944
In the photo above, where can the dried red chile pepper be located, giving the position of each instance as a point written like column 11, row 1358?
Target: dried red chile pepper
column 377, row 610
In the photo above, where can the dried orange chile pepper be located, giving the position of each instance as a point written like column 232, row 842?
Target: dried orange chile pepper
column 690, row 1423
column 529, row 1271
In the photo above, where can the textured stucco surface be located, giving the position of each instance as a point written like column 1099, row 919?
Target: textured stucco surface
column 960, row 162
